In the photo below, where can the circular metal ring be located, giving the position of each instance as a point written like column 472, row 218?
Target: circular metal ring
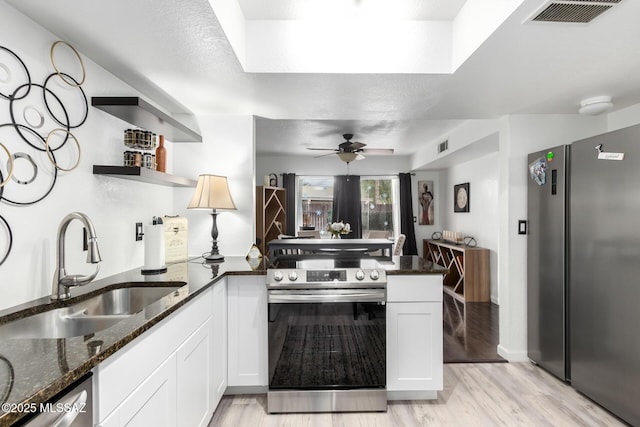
column 50, row 154
column 54, row 178
column 9, row 165
column 35, row 125
column 6, row 255
column 33, row 166
column 18, row 126
column 46, row 103
column 26, row 71
column 73, row 82
column 7, row 72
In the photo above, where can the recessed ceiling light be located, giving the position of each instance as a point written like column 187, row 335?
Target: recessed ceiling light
column 596, row 105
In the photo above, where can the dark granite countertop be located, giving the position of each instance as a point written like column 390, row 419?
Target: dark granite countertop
column 32, row 371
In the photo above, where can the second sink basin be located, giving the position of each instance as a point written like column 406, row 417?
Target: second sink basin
column 88, row 316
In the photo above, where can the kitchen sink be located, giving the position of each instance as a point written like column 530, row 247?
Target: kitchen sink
column 87, row 316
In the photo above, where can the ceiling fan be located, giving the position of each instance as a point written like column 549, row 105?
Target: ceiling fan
column 349, row 150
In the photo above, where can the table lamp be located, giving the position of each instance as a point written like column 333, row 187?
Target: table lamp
column 212, row 192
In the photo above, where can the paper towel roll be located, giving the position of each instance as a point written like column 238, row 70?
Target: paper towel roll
column 154, row 248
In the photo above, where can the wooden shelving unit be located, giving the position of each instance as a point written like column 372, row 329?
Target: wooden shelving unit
column 469, row 277
column 271, row 205
column 150, row 176
column 138, row 112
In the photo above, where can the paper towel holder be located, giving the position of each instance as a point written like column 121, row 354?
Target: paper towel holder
column 154, row 265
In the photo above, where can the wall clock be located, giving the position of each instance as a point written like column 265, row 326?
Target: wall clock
column 461, row 197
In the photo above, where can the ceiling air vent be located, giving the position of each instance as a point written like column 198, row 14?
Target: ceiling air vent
column 581, row 11
column 443, row 146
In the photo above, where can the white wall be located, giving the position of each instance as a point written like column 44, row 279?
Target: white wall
column 483, row 219
column 517, row 136
column 113, row 204
column 227, row 149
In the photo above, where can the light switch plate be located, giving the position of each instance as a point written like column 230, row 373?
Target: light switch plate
column 522, row 226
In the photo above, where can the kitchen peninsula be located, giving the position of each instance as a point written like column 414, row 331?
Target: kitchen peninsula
column 199, row 312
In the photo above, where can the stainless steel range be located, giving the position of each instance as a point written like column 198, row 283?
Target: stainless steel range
column 327, row 337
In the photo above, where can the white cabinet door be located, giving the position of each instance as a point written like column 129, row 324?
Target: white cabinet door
column 219, row 343
column 247, row 339
column 194, row 364
column 414, row 346
column 153, row 403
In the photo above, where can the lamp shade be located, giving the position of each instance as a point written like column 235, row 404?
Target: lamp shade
column 212, row 192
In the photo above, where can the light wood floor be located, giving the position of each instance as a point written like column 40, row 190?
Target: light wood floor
column 483, row 394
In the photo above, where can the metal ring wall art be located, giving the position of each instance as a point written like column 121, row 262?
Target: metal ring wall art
column 40, row 113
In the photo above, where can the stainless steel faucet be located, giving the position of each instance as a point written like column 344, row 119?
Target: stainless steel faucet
column 63, row 281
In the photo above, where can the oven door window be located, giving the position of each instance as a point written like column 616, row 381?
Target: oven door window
column 314, row 346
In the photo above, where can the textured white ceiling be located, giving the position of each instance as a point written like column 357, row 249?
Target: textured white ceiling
column 178, row 56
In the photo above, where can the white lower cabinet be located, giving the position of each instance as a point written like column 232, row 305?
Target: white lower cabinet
column 172, row 375
column 194, row 363
column 414, row 336
column 153, row 403
column 247, row 339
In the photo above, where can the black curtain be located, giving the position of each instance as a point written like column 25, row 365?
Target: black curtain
column 346, row 204
column 406, row 215
column 289, row 184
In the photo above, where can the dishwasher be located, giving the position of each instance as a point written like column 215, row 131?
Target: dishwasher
column 73, row 407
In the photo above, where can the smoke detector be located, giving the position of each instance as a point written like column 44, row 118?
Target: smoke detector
column 596, row 105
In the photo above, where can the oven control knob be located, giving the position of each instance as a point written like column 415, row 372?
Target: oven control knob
column 375, row 275
column 277, row 276
column 293, row 276
column 360, row 275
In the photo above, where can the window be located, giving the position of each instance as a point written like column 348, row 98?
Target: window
column 379, row 204
column 379, row 200
column 315, row 202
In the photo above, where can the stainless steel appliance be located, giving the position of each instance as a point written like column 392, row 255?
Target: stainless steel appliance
column 327, row 337
column 547, row 251
column 584, row 267
column 604, row 264
column 71, row 408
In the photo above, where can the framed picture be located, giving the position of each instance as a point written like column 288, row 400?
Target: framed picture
column 461, row 197
column 426, row 203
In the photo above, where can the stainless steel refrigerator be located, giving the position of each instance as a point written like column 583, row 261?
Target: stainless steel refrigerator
column 584, row 267
column 547, row 250
column 604, row 266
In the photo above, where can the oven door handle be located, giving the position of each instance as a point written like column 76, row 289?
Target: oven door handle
column 295, row 298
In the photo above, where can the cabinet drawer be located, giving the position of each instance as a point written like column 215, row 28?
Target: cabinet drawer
column 426, row 287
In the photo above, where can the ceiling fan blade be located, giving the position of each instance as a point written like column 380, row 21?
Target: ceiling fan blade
column 322, row 149
column 324, row 155
column 378, row 151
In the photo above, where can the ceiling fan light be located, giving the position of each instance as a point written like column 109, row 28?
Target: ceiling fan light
column 595, row 106
column 347, row 157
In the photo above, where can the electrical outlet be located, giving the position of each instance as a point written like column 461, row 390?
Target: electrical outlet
column 139, row 232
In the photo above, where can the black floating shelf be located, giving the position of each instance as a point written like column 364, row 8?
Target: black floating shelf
column 136, row 173
column 140, row 113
